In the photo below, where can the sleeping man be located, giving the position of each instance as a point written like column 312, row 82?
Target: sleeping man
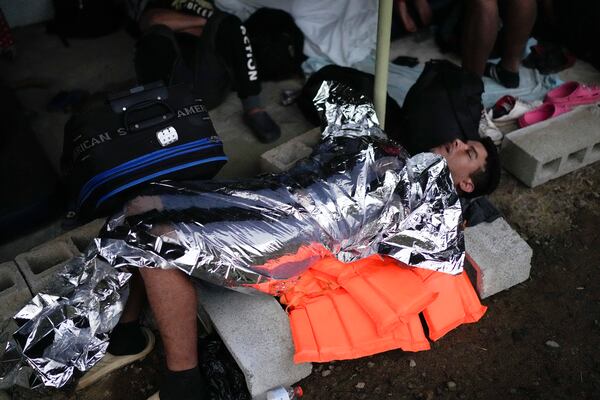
column 358, row 194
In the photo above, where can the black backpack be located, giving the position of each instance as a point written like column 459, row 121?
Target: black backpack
column 444, row 104
column 277, row 44
column 85, row 18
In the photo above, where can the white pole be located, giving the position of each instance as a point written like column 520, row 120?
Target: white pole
column 382, row 57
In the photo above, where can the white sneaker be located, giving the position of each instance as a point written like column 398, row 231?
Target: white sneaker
column 487, row 128
column 515, row 107
column 110, row 363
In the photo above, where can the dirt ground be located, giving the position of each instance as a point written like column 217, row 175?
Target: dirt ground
column 538, row 340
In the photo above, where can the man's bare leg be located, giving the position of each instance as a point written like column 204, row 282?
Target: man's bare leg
column 172, row 298
column 479, row 34
column 518, row 23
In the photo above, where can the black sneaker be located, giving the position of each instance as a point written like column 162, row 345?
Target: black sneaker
column 263, row 126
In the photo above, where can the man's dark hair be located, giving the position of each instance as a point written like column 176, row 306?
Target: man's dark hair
column 486, row 180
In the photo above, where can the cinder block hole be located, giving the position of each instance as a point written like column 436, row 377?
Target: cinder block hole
column 576, row 157
column 43, row 260
column 551, row 168
column 81, row 243
column 596, row 149
column 6, row 283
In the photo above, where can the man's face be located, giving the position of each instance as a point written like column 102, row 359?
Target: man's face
column 463, row 160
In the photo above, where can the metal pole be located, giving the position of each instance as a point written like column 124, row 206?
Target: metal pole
column 382, row 58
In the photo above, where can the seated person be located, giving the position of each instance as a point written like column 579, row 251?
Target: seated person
column 358, row 194
column 194, row 42
column 480, row 32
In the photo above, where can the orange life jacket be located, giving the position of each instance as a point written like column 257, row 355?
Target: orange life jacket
column 342, row 311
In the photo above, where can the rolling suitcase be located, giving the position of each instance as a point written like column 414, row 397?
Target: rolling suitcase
column 145, row 134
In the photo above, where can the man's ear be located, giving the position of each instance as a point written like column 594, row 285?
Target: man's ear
column 466, row 185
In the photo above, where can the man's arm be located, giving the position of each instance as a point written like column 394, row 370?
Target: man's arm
column 175, row 20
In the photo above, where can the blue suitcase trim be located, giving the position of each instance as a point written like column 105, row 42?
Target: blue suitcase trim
column 144, row 161
column 157, row 174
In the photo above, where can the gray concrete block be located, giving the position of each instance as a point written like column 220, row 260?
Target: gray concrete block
column 284, row 156
column 40, row 265
column 14, row 292
column 256, row 331
column 553, row 148
column 83, row 235
column 500, row 258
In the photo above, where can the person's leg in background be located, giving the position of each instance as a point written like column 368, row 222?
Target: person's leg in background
column 519, row 18
column 479, row 33
column 233, row 45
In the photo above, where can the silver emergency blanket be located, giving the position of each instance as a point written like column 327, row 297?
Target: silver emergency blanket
column 358, row 194
column 55, row 335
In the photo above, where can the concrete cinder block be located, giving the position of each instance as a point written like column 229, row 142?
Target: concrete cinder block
column 555, row 147
column 284, row 156
column 82, row 236
column 14, row 292
column 500, row 258
column 40, row 265
column 256, row 331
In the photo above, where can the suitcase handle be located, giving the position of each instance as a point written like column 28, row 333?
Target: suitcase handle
column 135, row 126
column 121, row 101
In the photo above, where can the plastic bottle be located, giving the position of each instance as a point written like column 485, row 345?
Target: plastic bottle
column 285, row 393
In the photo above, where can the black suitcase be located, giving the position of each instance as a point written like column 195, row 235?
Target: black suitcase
column 146, row 134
